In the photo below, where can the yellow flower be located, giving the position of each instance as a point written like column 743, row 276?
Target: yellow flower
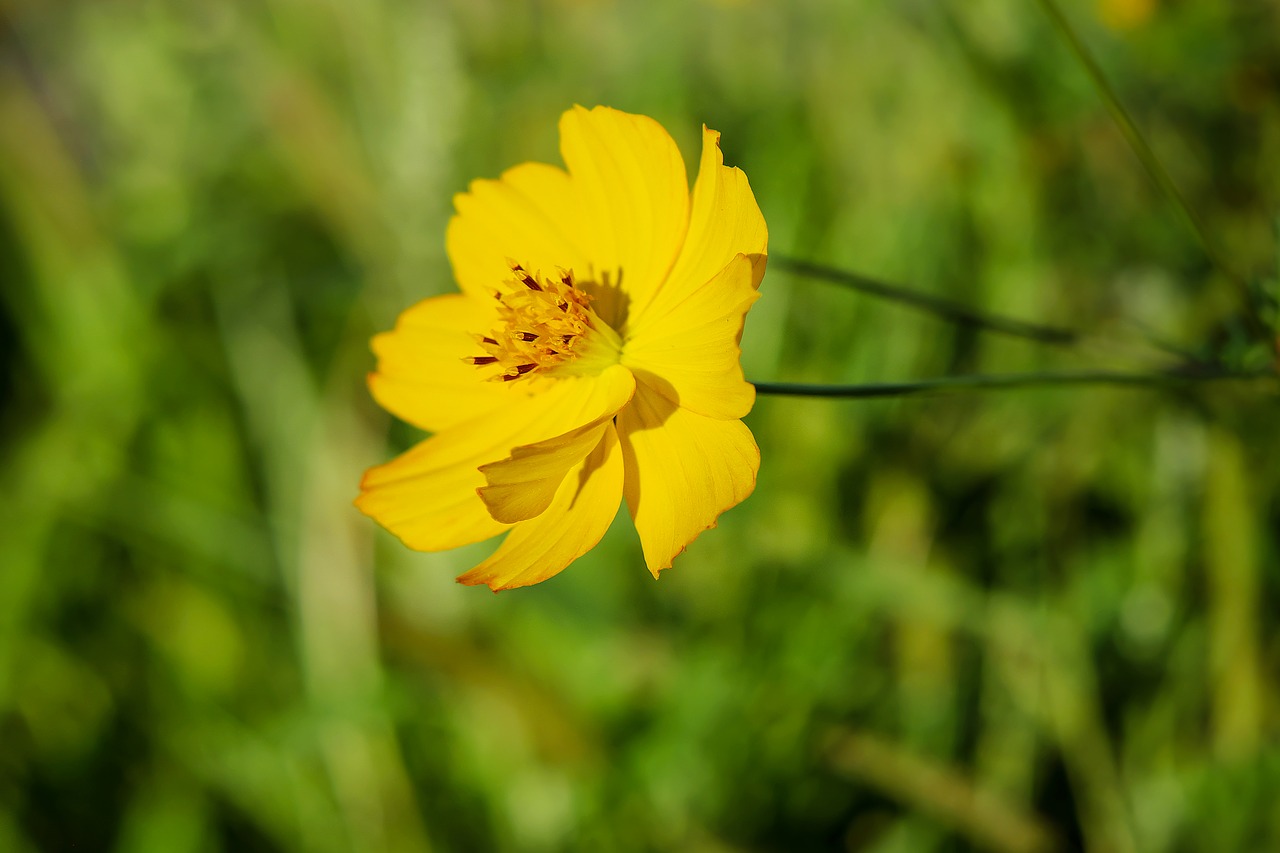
column 591, row 355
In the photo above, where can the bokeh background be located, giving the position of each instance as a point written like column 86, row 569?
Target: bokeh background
column 1011, row 621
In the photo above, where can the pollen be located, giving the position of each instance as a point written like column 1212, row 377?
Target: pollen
column 543, row 323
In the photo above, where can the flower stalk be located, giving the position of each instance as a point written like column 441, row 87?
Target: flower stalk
column 1010, row 381
column 947, row 309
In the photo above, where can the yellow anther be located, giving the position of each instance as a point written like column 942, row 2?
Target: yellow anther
column 542, row 323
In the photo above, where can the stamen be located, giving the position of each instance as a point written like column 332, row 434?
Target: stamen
column 542, row 323
column 521, row 370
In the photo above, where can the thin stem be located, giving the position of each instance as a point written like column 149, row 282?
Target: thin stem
column 953, row 311
column 1137, row 142
column 1002, row 382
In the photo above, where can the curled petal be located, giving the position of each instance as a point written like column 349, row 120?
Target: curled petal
column 682, row 471
column 428, row 496
column 523, row 485
column 579, row 514
column 724, row 221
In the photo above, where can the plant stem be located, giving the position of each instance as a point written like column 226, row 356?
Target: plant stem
column 953, row 311
column 1001, row 382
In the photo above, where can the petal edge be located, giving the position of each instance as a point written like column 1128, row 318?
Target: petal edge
column 682, row 471
column 581, row 512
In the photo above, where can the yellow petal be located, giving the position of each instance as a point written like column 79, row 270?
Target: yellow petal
column 530, row 215
column 690, row 351
column 634, row 193
column 422, row 377
column 522, row 486
column 725, row 221
column 582, row 510
column 682, row 471
column 428, row 495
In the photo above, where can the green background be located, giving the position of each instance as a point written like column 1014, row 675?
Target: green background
column 1012, row 621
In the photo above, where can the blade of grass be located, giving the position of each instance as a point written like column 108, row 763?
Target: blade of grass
column 942, row 791
column 1155, row 169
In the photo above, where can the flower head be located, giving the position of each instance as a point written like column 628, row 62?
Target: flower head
column 591, row 356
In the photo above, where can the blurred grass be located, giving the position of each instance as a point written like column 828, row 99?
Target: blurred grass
column 1028, row 621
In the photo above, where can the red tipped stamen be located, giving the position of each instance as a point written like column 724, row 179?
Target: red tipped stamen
column 541, row 322
column 521, row 370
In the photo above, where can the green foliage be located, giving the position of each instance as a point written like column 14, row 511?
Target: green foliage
column 1015, row 621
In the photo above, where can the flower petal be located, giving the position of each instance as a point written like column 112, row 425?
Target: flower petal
column 428, row 495
column 634, row 192
column 522, row 486
column 531, row 215
column 725, row 221
column 682, row 471
column 422, row 377
column 582, row 510
column 690, row 351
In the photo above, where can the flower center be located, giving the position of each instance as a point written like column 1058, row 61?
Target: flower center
column 544, row 324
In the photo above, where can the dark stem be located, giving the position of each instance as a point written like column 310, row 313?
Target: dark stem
column 1001, row 382
column 953, row 311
